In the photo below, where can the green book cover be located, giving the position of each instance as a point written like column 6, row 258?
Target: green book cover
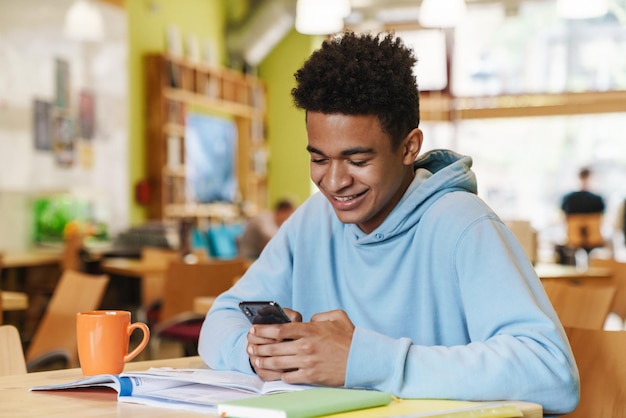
column 305, row 403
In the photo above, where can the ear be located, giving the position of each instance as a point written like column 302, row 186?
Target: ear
column 412, row 146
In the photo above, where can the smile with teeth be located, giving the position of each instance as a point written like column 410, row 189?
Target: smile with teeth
column 346, row 198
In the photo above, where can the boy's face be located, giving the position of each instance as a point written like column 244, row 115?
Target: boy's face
column 354, row 166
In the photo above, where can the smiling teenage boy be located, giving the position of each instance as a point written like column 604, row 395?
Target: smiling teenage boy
column 396, row 275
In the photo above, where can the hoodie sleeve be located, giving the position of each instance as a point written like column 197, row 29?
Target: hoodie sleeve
column 521, row 353
column 223, row 338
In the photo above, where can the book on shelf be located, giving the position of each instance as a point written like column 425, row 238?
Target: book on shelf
column 176, row 112
column 212, row 87
column 197, row 390
column 174, row 151
column 303, row 404
column 175, row 76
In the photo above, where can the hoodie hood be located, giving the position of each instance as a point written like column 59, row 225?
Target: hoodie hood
column 437, row 173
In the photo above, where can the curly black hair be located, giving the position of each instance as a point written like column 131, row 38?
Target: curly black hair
column 362, row 74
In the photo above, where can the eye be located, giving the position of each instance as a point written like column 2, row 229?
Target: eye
column 318, row 160
column 358, row 163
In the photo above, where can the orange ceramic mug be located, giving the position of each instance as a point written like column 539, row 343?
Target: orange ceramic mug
column 103, row 339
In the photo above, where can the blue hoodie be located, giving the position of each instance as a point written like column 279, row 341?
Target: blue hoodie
column 444, row 300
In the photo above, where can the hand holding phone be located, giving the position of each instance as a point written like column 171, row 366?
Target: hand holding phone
column 264, row 312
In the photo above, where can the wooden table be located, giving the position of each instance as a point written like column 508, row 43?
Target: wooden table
column 131, row 267
column 30, row 258
column 16, row 401
column 14, row 301
column 35, row 272
column 151, row 274
column 19, row 266
column 559, row 272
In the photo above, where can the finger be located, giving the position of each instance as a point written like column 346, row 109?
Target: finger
column 335, row 315
column 276, row 364
column 258, row 340
column 295, row 316
column 265, row 374
column 281, row 348
column 276, row 332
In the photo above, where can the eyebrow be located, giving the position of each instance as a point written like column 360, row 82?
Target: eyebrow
column 348, row 152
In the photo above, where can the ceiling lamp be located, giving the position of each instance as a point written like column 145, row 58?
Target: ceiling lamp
column 321, row 17
column 441, row 13
column 83, row 22
column 581, row 9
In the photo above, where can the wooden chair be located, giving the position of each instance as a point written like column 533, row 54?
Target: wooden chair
column 583, row 306
column 619, row 280
column 184, row 282
column 11, row 352
column 584, row 231
column 55, row 335
column 601, row 364
column 153, row 284
column 526, row 236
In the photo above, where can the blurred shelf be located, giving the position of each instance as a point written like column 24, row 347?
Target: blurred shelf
column 176, row 86
column 197, row 210
column 442, row 107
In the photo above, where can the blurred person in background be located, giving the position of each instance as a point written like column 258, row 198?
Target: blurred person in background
column 583, row 200
column 583, row 212
column 261, row 228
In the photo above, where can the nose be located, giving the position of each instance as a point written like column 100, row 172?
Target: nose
column 337, row 176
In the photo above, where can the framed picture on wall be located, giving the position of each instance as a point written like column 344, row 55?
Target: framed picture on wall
column 86, row 115
column 210, row 150
column 41, row 125
column 62, row 83
column 63, row 139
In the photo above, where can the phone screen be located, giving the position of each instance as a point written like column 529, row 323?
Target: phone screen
column 264, row 312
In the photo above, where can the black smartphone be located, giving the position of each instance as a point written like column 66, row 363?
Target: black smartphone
column 264, row 312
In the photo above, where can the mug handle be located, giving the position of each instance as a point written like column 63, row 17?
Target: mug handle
column 146, row 337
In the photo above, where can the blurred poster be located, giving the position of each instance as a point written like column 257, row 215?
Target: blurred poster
column 86, row 116
column 41, row 125
column 62, row 83
column 63, row 140
column 210, row 152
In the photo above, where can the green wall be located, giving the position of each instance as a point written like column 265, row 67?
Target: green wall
column 288, row 169
column 147, row 23
column 289, row 161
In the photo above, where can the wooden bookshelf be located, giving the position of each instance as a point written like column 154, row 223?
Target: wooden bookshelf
column 175, row 86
